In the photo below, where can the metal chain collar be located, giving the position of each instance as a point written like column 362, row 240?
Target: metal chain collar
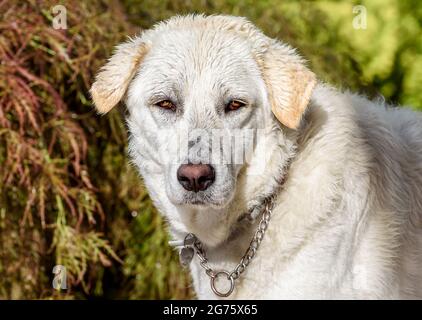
column 191, row 243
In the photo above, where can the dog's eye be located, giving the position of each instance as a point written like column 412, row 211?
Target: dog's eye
column 166, row 104
column 234, row 105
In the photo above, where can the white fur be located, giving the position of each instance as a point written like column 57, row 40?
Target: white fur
column 347, row 223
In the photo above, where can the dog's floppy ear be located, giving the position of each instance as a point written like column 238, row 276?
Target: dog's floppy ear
column 289, row 83
column 113, row 79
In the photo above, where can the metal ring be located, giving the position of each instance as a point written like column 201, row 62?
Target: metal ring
column 214, row 289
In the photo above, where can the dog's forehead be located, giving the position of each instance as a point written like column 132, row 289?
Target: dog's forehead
column 201, row 50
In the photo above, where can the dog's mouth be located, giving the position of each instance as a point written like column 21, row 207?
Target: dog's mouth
column 201, row 200
column 201, row 205
column 197, row 202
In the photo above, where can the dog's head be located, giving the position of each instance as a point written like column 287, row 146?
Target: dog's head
column 205, row 98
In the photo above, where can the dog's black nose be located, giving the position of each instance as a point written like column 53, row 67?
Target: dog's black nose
column 195, row 177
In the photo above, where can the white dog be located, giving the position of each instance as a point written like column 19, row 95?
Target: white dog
column 342, row 174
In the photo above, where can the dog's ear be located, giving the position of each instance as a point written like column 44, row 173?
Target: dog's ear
column 289, row 83
column 112, row 81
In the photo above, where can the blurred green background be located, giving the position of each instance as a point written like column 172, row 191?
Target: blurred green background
column 69, row 196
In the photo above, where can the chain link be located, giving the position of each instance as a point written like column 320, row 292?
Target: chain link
column 247, row 257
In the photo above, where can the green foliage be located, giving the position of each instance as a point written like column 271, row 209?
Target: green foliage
column 389, row 50
column 67, row 193
column 48, row 202
column 60, row 200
